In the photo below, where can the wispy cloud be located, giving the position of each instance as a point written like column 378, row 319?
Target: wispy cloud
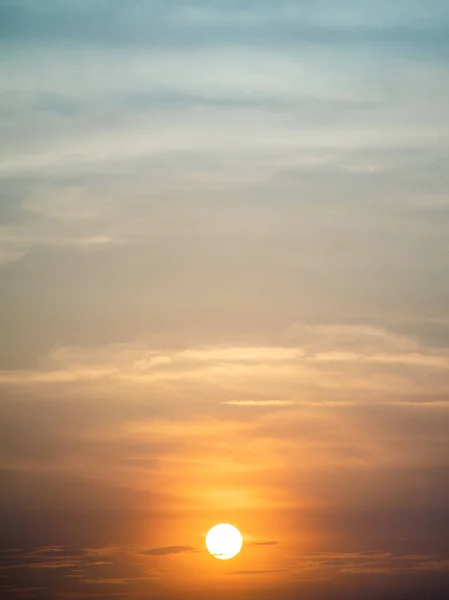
column 366, row 360
column 260, row 403
column 369, row 563
column 167, row 550
column 258, row 572
column 268, row 543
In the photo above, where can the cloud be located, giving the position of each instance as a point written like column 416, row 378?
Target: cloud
column 139, row 408
column 268, row 543
column 167, row 550
column 260, row 403
column 369, row 563
column 46, row 558
column 325, row 361
column 191, row 24
column 77, row 568
column 126, row 581
column 258, row 572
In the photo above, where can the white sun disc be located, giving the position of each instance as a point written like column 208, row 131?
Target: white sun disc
column 224, row 541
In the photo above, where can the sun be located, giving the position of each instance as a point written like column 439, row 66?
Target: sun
column 224, row 541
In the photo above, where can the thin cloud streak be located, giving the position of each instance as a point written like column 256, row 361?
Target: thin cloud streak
column 167, row 550
column 259, row 403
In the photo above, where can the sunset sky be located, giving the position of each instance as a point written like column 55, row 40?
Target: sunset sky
column 224, row 297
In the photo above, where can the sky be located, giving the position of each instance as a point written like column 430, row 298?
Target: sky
column 224, row 257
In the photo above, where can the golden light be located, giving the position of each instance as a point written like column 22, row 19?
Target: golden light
column 224, row 541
